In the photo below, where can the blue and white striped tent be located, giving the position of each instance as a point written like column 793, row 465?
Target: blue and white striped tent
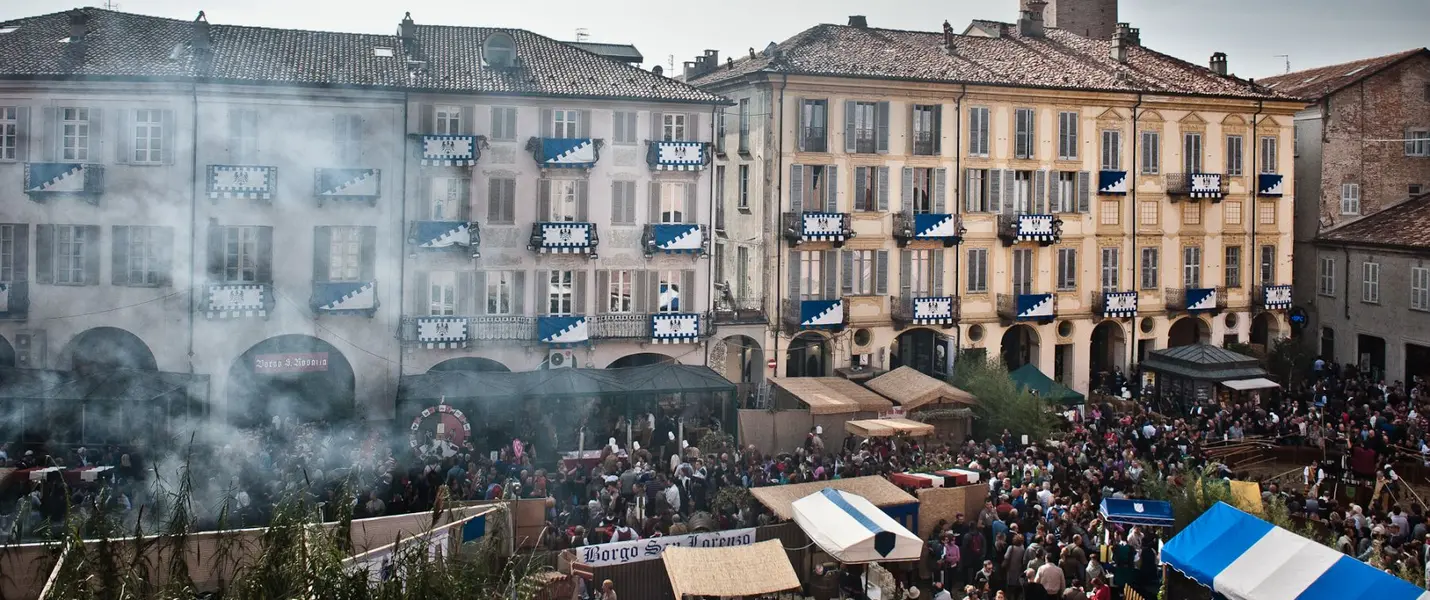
column 852, row 530
column 1242, row 557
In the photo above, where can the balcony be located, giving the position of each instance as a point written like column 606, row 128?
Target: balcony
column 1270, row 184
column 344, row 298
column 741, row 311
column 678, row 156
column 926, row 310
column 457, row 332
column 1112, row 183
column 813, row 139
column 14, row 300
column 1273, row 297
column 1114, row 305
column 436, row 150
column 675, row 238
column 565, row 153
column 1195, row 185
column 43, row 180
column 237, row 300
column 818, row 227
column 1046, row 230
column 564, row 237
column 814, row 314
column 940, row 227
column 242, row 182
column 924, row 144
column 1040, row 308
column 1195, row 300
column 563, row 331
column 462, row 236
column 364, row 185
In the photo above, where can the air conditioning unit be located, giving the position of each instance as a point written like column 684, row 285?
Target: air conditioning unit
column 30, row 349
column 560, row 359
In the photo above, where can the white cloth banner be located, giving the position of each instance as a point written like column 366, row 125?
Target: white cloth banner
column 621, row 553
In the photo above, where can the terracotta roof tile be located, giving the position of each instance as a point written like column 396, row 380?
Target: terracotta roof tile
column 1404, row 225
column 1317, row 83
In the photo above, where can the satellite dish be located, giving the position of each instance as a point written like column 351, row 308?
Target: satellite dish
column 499, row 50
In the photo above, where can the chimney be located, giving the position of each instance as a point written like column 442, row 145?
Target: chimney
column 407, row 29
column 712, row 59
column 657, row 70
column 1130, row 34
column 1027, row 27
column 1218, row 63
column 1123, row 37
column 858, row 21
column 752, row 51
column 1033, row 11
column 729, row 63
column 948, row 39
column 79, row 25
column 199, row 38
column 689, row 70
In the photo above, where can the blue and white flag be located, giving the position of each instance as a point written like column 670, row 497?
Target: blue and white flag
column 1206, row 185
column 568, row 153
column 562, row 330
column 1269, row 184
column 674, row 328
column 677, row 156
column 1111, row 182
column 1201, row 299
column 935, row 226
column 242, row 181
column 678, row 237
column 347, row 183
column 1277, row 297
column 62, row 178
column 821, row 314
column 345, row 296
column 936, row 310
column 1119, row 304
column 823, row 227
column 442, row 234
column 1035, row 306
column 450, row 150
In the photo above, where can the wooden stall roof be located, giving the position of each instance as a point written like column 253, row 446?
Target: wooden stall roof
column 780, row 498
column 888, row 427
column 912, row 389
column 735, row 571
column 832, row 395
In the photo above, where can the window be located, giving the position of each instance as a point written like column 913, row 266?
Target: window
column 74, row 134
column 1067, row 136
column 240, row 254
column 565, row 123
column 243, row 135
column 1111, row 269
column 978, row 131
column 1112, row 150
column 1023, row 133
column 1192, row 153
column 744, row 200
column 347, row 139
column 140, row 255
column 1191, row 267
column 1420, row 288
column 1417, row 142
column 1326, row 283
column 742, row 273
column 672, row 201
column 1111, row 212
column 977, row 270
column 1233, row 155
column 449, row 194
column 1191, row 213
column 672, row 127
column 1370, row 283
column 669, row 290
column 620, row 295
column 1268, row 155
column 623, row 127
column 1150, row 265
column 9, row 132
column 1022, row 192
column 745, row 125
column 925, row 130
column 1268, row 265
column 1415, row 189
column 504, row 125
column 1148, row 213
column 561, row 292
column 148, row 137
column 344, row 253
column 1266, row 213
column 976, row 192
column 867, row 182
column 811, row 276
column 720, row 133
column 447, row 119
column 7, row 252
column 922, row 190
column 501, row 288
column 1231, row 212
column 813, row 123
column 564, row 194
column 1067, row 269
column 501, row 200
column 1233, row 266
column 1151, row 152
column 865, row 124
column 1065, row 192
column 442, row 293
column 1023, row 270
column 1350, row 198
column 921, row 273
column 862, row 273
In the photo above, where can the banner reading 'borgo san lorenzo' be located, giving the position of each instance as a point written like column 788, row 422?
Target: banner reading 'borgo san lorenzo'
column 621, row 553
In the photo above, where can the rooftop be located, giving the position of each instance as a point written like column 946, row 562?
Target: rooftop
column 1059, row 60
column 621, row 52
column 1317, row 83
column 1403, row 225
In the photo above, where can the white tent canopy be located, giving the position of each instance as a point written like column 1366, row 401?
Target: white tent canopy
column 854, row 531
column 1258, row 383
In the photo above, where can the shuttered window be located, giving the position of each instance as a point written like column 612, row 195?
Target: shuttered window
column 1326, row 281
column 1420, row 288
column 1151, row 152
column 1370, row 282
column 977, row 270
column 1024, row 139
column 978, row 131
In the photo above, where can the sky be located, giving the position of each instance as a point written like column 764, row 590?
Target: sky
column 1252, row 32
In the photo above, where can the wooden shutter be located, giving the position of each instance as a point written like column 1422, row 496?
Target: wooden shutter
column 426, row 118
column 265, row 255
column 652, row 291
column 995, row 190
column 641, row 291
column 688, row 291
column 367, row 258
column 518, row 292
column 907, row 192
column 796, row 188
column 883, row 189
column 906, row 273
column 498, row 124
column 791, row 275
column 881, row 272
column 653, row 203
column 618, row 202
column 937, row 272
column 692, row 208
column 540, row 295
column 969, row 194
column 1040, row 192
column 543, row 200
column 799, row 123
column 96, row 134
column 322, row 248
column 831, row 273
column 21, row 258
column 119, row 258
column 164, row 255
column 215, row 253
column 882, row 132
column 657, row 126
column 831, row 189
column 603, row 291
column 847, row 281
column 1009, row 203
column 630, row 204
column 510, row 114
column 547, row 126
column 479, row 292
column 169, row 152
column 937, row 129
column 91, row 254
column 45, row 253
column 466, row 293
column 851, row 143
column 578, row 293
column 583, row 126
column 424, row 198
column 1084, row 182
column 49, row 133
column 939, row 175
column 583, row 200
column 862, row 201
column 494, row 200
column 124, row 144
column 469, row 120
column 421, row 294
column 464, row 199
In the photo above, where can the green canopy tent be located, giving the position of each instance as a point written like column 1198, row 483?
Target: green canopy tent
column 98, row 406
column 1192, row 372
column 1028, row 377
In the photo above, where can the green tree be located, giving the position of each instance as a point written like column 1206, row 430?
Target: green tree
column 1001, row 405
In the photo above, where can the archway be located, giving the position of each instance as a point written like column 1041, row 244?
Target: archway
column 924, row 350
column 738, row 358
column 640, row 359
column 808, row 356
column 1265, row 329
column 295, row 376
column 109, row 348
column 1020, row 347
column 1109, row 354
column 470, row 363
column 1187, row 331
column 7, row 353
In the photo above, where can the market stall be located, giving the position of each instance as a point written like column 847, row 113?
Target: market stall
column 1190, row 374
column 740, row 571
column 1030, row 378
column 1152, row 513
column 929, row 400
column 888, row 427
column 896, row 503
column 852, row 530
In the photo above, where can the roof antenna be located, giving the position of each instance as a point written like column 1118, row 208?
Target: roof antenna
column 582, row 34
column 1288, row 61
column 111, row 5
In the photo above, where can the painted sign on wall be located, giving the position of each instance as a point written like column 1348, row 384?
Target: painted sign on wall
column 309, row 362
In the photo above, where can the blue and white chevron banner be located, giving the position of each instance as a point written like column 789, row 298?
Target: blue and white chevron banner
column 443, row 234
column 441, row 333
column 1036, row 228
column 1206, row 185
column 1111, row 182
column 823, row 227
column 1119, row 304
column 1270, row 184
column 935, row 226
column 677, row 156
column 936, row 310
column 347, row 183
column 4, row 297
column 1277, row 297
column 237, row 181
column 674, row 328
column 562, row 330
column 61, row 178
column 232, row 301
column 345, row 296
column 565, row 238
column 1201, row 299
column 678, row 238
column 821, row 314
column 571, row 153
column 1035, row 306
column 449, row 150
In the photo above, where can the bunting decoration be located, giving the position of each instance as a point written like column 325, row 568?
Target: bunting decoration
column 678, row 156
column 442, row 333
column 1278, row 297
column 1110, row 183
column 345, row 297
column 232, row 301
column 234, row 181
column 1036, row 228
column 436, row 235
column 1269, row 184
column 565, row 237
column 936, row 310
column 565, row 153
column 1032, row 307
column 64, row 178
column 823, row 227
column 562, row 331
column 1206, row 185
column 450, row 150
column 347, row 183
column 674, row 328
column 1119, row 304
column 677, row 238
column 935, row 226
column 821, row 314
column 1201, row 299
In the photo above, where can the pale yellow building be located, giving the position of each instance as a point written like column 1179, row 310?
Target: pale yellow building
column 920, row 194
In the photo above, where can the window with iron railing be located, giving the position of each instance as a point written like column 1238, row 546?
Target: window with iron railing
column 925, row 126
column 813, row 126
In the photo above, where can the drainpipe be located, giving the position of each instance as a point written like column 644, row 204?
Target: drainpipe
column 958, row 180
column 402, row 250
column 193, row 213
column 1347, row 249
column 1132, row 203
column 1255, row 180
column 779, row 216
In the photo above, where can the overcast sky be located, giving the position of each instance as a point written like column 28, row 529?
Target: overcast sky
column 1252, row 32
